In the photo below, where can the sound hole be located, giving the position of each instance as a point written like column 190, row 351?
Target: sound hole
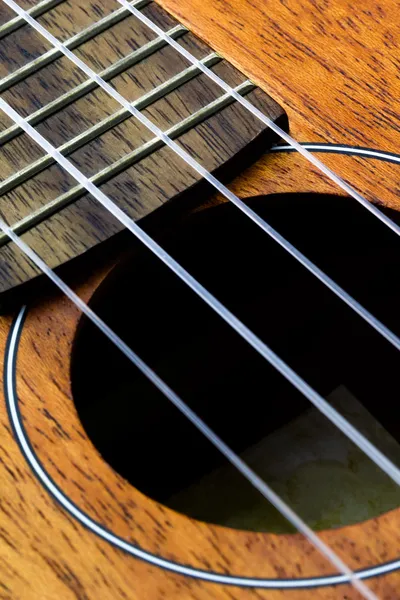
column 247, row 403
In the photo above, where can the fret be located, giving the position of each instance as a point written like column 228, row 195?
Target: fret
column 36, row 11
column 72, row 43
column 87, row 86
column 127, row 161
column 138, row 173
column 226, row 143
column 106, row 124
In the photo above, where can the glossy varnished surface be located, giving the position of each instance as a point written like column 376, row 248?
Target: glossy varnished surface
column 44, row 552
column 73, row 562
column 333, row 66
column 57, row 218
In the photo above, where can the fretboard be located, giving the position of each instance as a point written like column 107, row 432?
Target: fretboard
column 53, row 213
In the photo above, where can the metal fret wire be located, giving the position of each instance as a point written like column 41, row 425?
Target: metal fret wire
column 95, row 78
column 127, row 161
column 262, row 117
column 333, row 286
column 87, row 86
column 263, row 349
column 363, row 590
column 233, row 458
column 108, row 122
column 36, row 11
column 390, row 336
column 72, row 43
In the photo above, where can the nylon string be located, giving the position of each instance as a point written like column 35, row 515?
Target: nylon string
column 263, row 118
column 385, row 464
column 260, row 485
column 332, row 285
column 8, row 231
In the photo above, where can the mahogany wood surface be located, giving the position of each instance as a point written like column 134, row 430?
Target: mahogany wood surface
column 46, row 554
column 332, row 67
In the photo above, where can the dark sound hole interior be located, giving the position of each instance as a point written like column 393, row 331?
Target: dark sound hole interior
column 145, row 439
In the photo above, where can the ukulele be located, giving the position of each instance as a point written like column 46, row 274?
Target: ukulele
column 199, row 303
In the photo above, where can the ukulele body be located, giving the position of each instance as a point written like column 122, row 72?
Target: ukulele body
column 70, row 525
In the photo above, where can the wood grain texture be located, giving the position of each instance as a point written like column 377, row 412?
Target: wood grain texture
column 138, row 186
column 73, row 563
column 339, row 54
column 333, row 66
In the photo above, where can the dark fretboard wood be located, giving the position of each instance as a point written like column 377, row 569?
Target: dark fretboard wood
column 53, row 214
